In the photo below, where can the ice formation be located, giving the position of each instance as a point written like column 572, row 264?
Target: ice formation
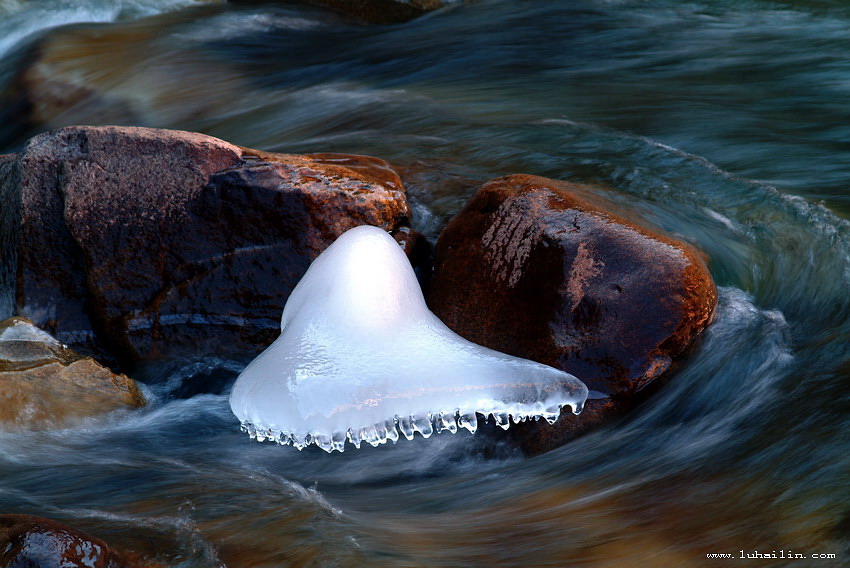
column 360, row 358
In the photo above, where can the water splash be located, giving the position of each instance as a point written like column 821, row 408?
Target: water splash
column 362, row 359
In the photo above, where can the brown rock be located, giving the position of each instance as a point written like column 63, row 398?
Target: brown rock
column 30, row 541
column 168, row 243
column 546, row 270
column 43, row 384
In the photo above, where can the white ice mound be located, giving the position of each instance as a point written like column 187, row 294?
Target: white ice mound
column 361, row 358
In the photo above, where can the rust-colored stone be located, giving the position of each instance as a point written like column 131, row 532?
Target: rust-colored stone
column 547, row 270
column 27, row 540
column 167, row 243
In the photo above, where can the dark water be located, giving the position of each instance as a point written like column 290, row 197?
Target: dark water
column 726, row 122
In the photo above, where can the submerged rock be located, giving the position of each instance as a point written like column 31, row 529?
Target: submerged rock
column 27, row 540
column 166, row 243
column 148, row 70
column 545, row 270
column 129, row 72
column 44, row 384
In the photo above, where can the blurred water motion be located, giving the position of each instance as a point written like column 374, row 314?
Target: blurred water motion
column 723, row 122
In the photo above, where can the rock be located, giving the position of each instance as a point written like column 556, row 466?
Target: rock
column 44, row 385
column 548, row 270
column 30, row 541
column 159, row 243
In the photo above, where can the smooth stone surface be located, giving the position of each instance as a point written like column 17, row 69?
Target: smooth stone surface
column 44, row 385
column 549, row 271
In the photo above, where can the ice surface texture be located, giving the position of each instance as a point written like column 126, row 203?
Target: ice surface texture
column 360, row 358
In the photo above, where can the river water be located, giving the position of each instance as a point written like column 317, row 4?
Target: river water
column 724, row 122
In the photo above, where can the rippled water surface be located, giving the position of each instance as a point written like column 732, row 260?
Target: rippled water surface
column 725, row 123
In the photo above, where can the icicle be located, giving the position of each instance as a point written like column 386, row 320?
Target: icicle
column 360, row 353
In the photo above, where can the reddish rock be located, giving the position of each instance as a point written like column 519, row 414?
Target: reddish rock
column 30, row 541
column 547, row 270
column 165, row 243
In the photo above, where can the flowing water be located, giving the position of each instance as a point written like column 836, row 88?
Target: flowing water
column 724, row 122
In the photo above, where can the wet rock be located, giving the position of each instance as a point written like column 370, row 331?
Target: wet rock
column 44, row 384
column 548, row 270
column 30, row 541
column 155, row 243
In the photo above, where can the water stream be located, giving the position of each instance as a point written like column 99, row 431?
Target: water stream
column 724, row 122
